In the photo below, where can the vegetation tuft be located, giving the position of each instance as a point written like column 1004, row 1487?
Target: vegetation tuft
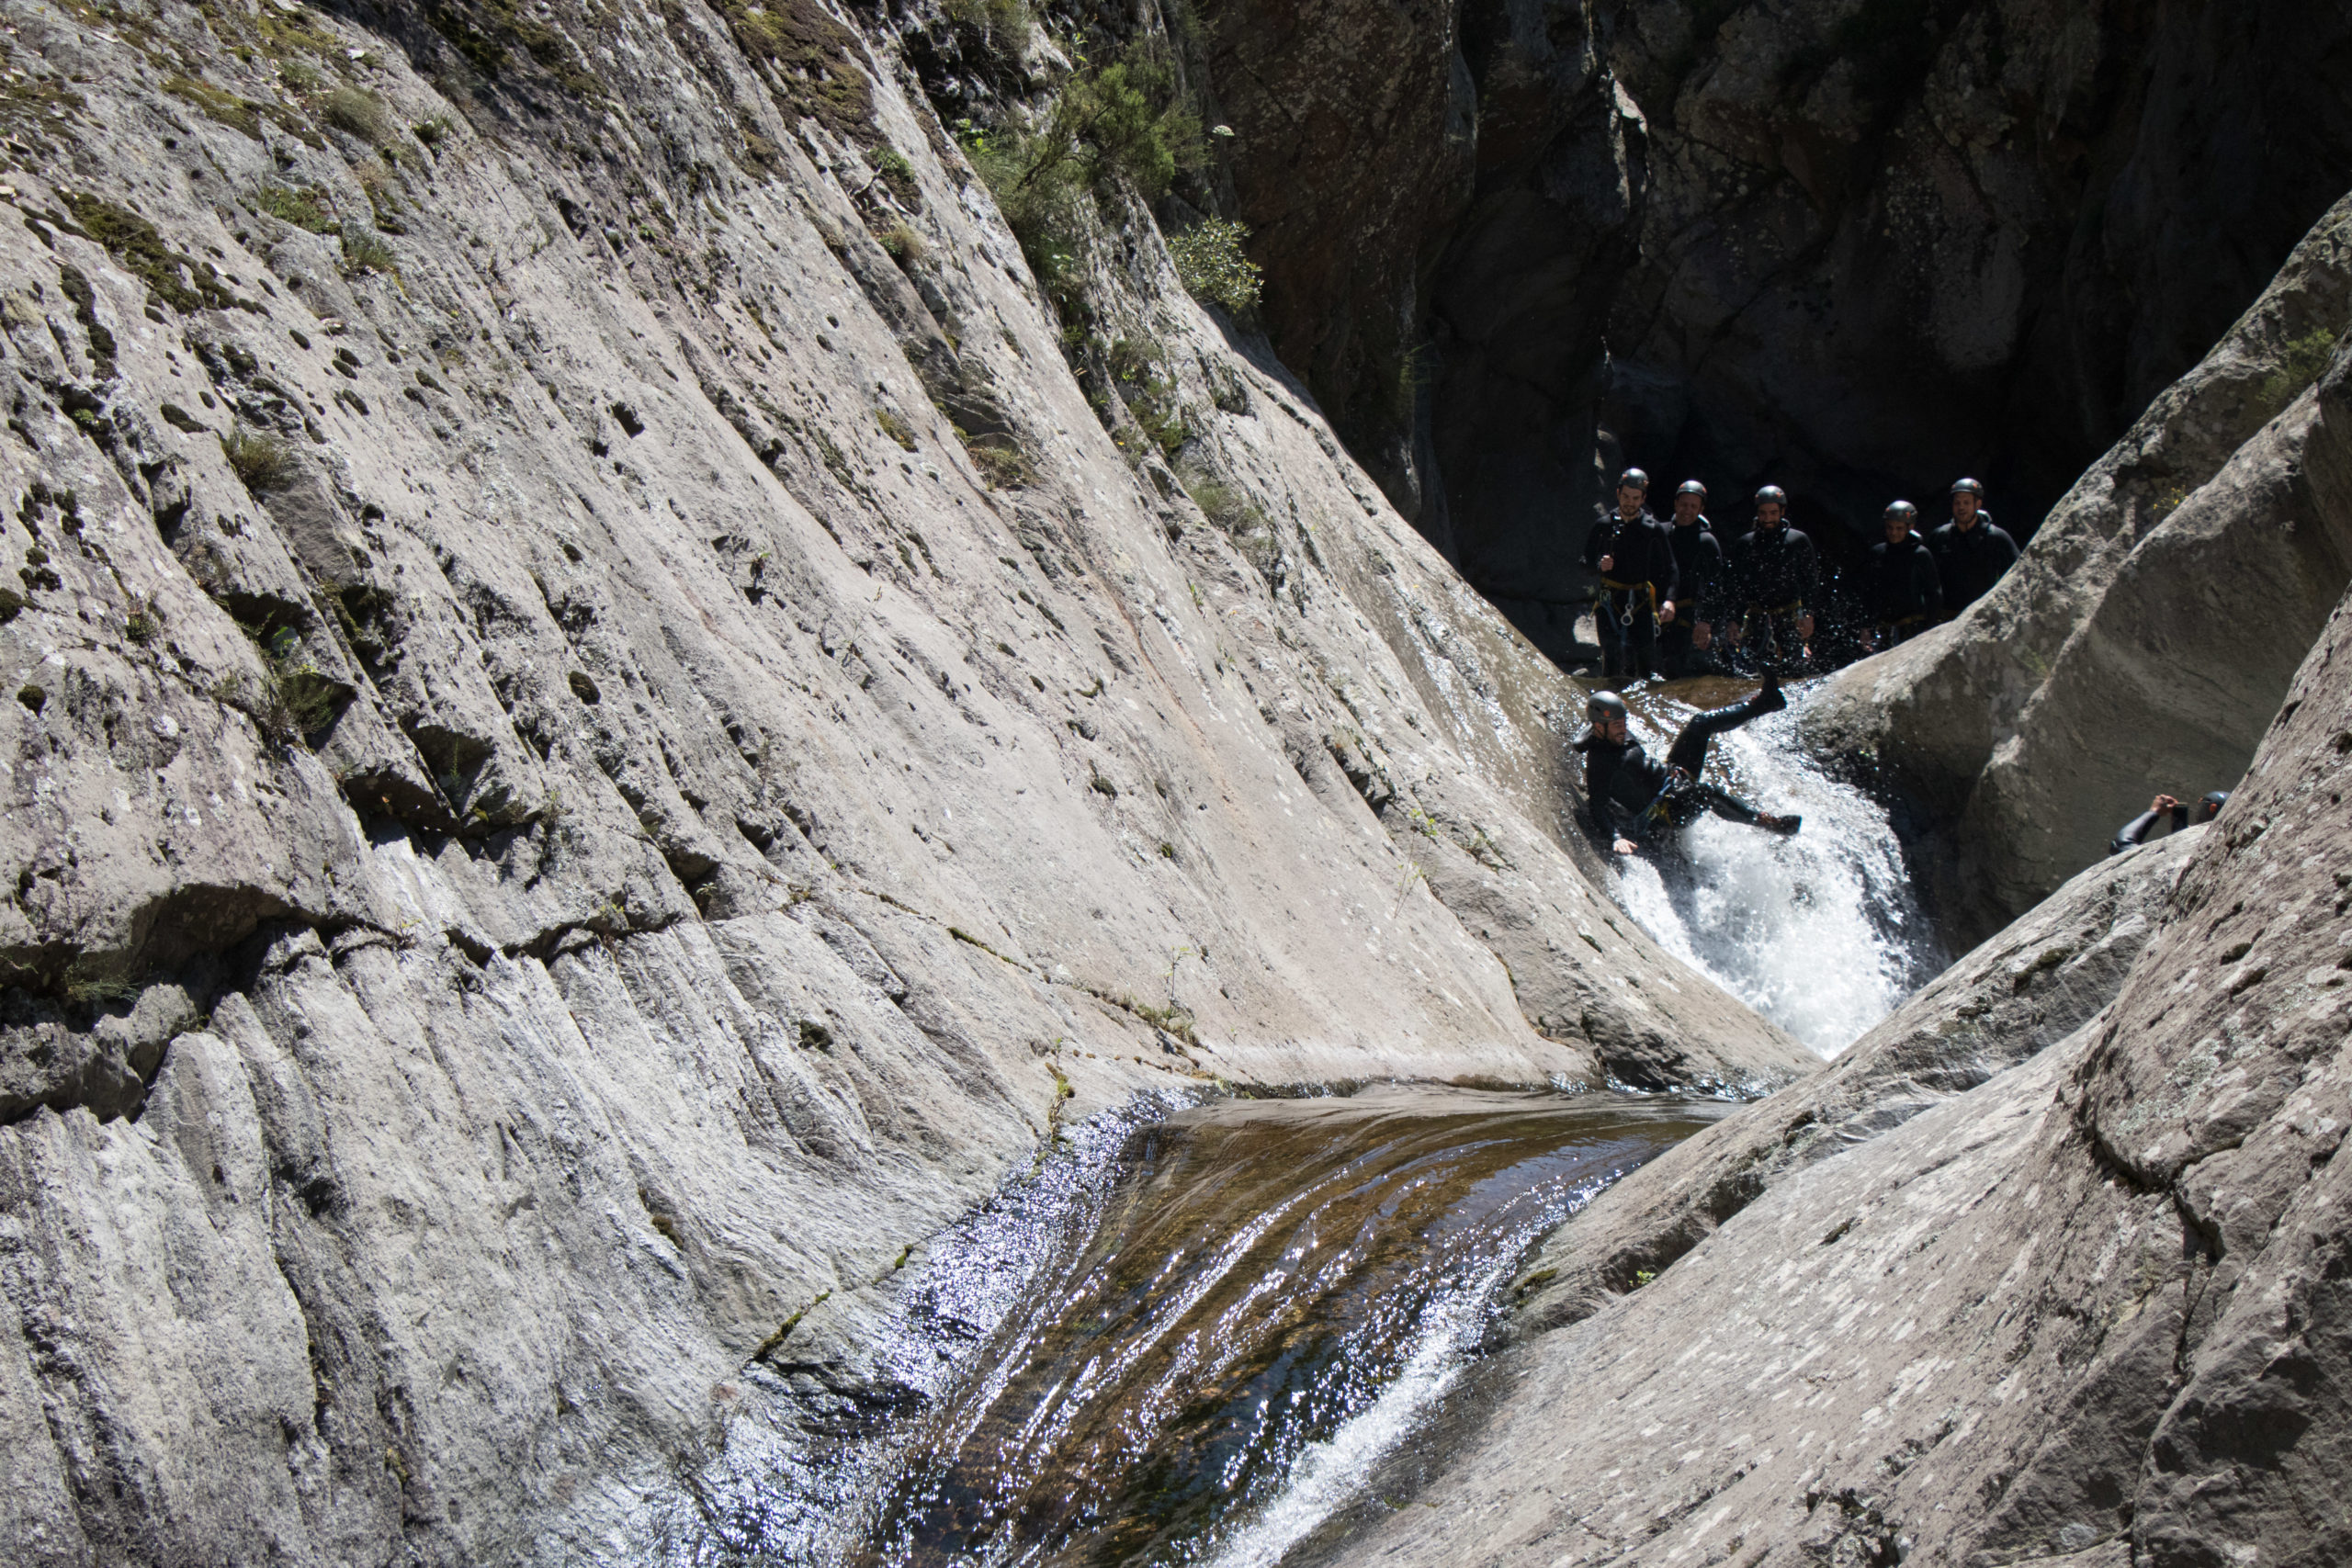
column 1002, row 464
column 1149, row 393
column 1214, row 267
column 1121, row 126
column 2301, row 362
column 812, row 58
column 360, row 113
column 1001, row 29
column 488, row 32
column 182, row 282
column 299, row 208
column 363, row 251
column 905, row 246
column 262, row 461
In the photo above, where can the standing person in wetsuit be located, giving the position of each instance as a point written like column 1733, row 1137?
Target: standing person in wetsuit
column 1629, row 549
column 1903, row 595
column 1699, row 571
column 1972, row 553
column 1633, row 796
column 2136, row 832
column 1775, row 577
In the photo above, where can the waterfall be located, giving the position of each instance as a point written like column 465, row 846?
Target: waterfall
column 1820, row 932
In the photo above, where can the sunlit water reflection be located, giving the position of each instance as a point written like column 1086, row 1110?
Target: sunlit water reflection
column 1190, row 1340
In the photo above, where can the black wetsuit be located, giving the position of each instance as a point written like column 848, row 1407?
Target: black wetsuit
column 1699, row 568
column 1632, row 793
column 2136, row 832
column 1968, row 563
column 1903, row 593
column 1640, row 578
column 1774, row 577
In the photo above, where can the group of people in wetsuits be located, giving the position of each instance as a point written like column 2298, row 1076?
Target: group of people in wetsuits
column 1673, row 601
column 1666, row 589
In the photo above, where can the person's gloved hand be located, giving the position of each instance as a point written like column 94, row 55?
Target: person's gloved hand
column 1666, row 613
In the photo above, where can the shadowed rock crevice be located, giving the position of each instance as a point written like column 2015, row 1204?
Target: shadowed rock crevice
column 1857, row 249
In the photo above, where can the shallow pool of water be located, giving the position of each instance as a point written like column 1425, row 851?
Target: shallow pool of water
column 1193, row 1341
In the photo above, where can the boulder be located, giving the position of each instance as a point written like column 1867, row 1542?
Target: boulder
column 2090, row 1312
column 2146, row 638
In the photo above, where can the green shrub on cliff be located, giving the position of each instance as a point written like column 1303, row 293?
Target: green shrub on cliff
column 2301, row 361
column 1122, row 127
column 1214, row 267
column 1000, row 28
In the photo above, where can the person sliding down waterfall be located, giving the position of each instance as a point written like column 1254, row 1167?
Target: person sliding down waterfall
column 1620, row 778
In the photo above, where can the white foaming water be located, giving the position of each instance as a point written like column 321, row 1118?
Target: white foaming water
column 1330, row 1474
column 1821, row 931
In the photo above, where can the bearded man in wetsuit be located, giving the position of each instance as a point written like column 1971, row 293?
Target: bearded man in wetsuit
column 2136, row 832
column 1635, row 560
column 1776, row 576
column 1899, row 583
column 1972, row 553
column 1683, row 642
column 1634, row 797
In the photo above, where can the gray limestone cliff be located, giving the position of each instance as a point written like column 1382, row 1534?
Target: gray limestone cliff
column 600, row 734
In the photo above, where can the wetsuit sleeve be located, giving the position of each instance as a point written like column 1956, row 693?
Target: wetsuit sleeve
column 2133, row 833
column 1599, row 773
column 2180, row 817
column 1808, row 574
column 1670, row 588
column 1594, row 538
column 1930, row 582
column 1710, row 589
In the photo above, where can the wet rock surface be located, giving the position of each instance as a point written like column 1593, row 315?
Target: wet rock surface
column 557, row 816
column 2023, row 991
column 2149, row 632
column 2091, row 1312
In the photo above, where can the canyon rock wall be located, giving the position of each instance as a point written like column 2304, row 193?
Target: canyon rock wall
column 2146, row 638
column 599, row 738
column 2092, row 1312
column 1855, row 246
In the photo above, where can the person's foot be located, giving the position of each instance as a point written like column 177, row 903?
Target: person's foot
column 1783, row 825
column 1768, row 699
